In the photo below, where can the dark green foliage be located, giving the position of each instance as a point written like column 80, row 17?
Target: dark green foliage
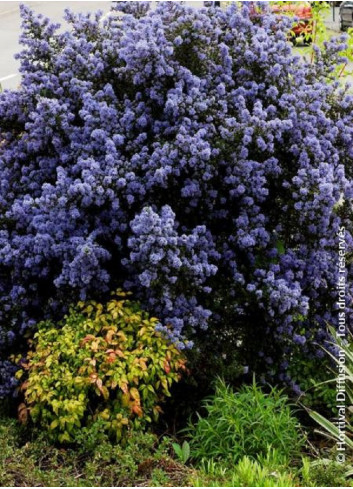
column 312, row 376
column 204, row 362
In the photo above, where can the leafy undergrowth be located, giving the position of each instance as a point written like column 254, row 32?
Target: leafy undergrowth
column 247, row 438
column 30, row 460
column 35, row 462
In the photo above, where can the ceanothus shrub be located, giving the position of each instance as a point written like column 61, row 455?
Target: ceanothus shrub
column 187, row 156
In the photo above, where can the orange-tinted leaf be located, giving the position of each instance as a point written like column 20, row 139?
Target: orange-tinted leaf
column 24, row 385
column 99, row 384
column 87, row 338
column 111, row 357
column 93, row 378
column 22, row 413
column 136, row 408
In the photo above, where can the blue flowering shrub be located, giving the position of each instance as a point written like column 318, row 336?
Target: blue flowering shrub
column 187, row 156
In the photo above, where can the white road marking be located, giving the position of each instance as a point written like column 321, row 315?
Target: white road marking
column 8, row 77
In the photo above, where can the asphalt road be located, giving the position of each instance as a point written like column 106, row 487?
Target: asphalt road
column 10, row 30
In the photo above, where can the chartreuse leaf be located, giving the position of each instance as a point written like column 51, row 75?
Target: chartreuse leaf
column 88, row 367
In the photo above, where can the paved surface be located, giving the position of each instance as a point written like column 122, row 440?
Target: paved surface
column 332, row 19
column 10, row 30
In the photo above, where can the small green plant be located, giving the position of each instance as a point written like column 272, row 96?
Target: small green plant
column 90, row 437
column 182, row 451
column 247, row 423
column 159, row 478
column 250, row 473
column 247, row 473
column 324, row 473
column 102, row 362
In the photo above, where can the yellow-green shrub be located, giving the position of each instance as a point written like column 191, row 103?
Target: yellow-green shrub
column 101, row 362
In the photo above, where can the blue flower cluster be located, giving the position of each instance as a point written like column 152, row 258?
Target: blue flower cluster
column 185, row 154
column 185, row 261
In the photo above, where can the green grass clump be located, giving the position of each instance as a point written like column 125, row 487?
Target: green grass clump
column 248, row 423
